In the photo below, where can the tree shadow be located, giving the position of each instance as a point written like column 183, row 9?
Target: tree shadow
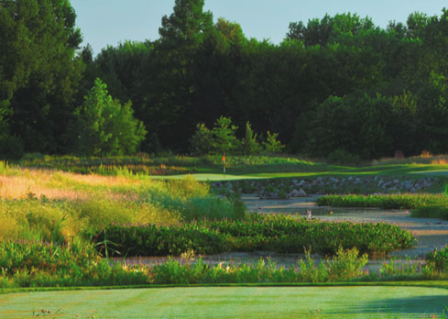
column 417, row 306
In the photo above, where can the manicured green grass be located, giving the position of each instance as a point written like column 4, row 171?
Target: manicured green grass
column 231, row 302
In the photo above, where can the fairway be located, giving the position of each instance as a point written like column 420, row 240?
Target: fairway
column 233, row 302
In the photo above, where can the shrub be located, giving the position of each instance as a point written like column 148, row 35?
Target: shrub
column 249, row 144
column 272, row 145
column 346, row 265
column 393, row 201
column 433, row 211
column 201, row 143
column 151, row 240
column 284, row 234
column 438, row 259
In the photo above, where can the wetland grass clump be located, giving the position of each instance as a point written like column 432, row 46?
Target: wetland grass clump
column 384, row 201
column 432, row 211
column 280, row 233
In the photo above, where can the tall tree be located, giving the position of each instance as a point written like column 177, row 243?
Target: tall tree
column 39, row 74
column 170, row 80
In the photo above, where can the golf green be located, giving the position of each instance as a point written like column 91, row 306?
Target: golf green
column 231, row 302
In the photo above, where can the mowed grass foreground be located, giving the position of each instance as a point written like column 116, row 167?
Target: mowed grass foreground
column 232, row 302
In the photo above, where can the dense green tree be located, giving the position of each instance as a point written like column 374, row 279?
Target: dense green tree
column 224, row 132
column 104, row 126
column 337, row 86
column 39, row 74
column 169, row 89
column 201, row 143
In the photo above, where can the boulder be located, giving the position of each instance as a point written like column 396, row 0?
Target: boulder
column 302, row 193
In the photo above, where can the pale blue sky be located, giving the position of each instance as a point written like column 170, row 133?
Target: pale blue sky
column 108, row 22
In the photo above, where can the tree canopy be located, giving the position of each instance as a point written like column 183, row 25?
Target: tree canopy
column 336, row 84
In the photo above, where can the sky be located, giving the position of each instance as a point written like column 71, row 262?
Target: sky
column 109, row 22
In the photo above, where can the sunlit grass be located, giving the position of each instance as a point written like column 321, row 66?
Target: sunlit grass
column 424, row 158
column 40, row 204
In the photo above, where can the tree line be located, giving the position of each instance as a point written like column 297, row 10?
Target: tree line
column 335, row 86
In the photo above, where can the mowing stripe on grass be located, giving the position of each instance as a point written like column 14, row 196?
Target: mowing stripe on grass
column 232, row 302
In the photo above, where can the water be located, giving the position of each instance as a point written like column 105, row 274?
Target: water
column 431, row 233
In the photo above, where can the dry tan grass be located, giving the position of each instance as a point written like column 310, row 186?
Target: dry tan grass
column 58, row 185
column 18, row 187
column 424, row 158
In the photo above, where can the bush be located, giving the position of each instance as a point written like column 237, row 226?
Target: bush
column 438, row 259
column 285, row 234
column 433, row 211
column 201, row 143
column 272, row 145
column 394, row 201
column 151, row 240
column 222, row 139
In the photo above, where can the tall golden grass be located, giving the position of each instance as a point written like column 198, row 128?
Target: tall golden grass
column 424, row 158
column 48, row 205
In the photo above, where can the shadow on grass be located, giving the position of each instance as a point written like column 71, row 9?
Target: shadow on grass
column 418, row 306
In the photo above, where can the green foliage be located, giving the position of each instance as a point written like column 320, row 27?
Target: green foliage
column 272, row 145
column 285, row 234
column 105, row 127
column 11, row 147
column 39, row 75
column 249, row 144
column 201, row 143
column 431, row 211
column 43, row 264
column 222, row 139
column 346, row 265
column 342, row 157
column 336, row 83
column 394, row 201
column 225, row 140
column 438, row 259
column 151, row 240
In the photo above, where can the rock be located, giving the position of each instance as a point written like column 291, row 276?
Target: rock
column 302, row 193
column 294, row 193
column 407, row 185
column 334, row 180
